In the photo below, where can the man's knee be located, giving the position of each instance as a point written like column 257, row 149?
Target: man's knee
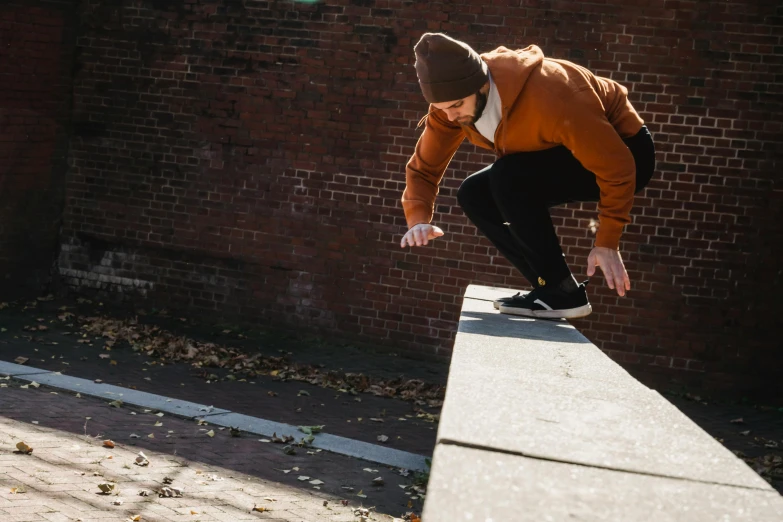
column 473, row 190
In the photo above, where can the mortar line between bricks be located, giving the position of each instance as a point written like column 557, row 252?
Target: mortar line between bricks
column 255, row 425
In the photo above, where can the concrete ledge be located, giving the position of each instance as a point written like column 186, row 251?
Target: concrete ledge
column 540, row 401
column 483, row 486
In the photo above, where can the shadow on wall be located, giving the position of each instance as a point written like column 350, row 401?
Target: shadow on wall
column 499, row 325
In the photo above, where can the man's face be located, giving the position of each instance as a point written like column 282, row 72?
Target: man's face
column 465, row 111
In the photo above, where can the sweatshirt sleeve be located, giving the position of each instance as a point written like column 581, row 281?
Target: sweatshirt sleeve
column 423, row 172
column 585, row 130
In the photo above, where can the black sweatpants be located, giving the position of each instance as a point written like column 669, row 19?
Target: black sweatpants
column 520, row 188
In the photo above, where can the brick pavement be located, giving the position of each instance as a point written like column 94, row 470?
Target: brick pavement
column 60, row 478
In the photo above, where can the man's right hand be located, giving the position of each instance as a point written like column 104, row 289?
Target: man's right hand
column 419, row 235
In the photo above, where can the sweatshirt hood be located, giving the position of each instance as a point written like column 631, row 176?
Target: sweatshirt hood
column 510, row 70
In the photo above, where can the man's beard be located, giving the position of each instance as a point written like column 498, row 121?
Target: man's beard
column 481, row 104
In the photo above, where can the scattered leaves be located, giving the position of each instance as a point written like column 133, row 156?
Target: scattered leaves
column 169, row 347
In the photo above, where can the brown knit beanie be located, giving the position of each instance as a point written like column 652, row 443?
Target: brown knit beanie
column 447, row 68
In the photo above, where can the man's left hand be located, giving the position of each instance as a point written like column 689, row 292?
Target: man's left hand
column 612, row 266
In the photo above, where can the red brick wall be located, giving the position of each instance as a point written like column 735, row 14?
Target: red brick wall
column 36, row 47
column 246, row 159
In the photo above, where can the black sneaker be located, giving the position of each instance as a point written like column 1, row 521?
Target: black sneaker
column 550, row 303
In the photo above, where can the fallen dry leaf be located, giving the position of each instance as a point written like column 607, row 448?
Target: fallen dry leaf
column 108, row 444
column 21, row 360
column 170, row 492
column 24, row 448
column 106, row 488
column 118, row 502
column 737, row 421
column 260, row 509
column 211, row 433
column 142, row 459
column 135, row 518
column 382, row 438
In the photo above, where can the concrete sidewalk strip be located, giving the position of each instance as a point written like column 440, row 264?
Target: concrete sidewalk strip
column 474, row 484
column 324, row 441
column 221, row 417
column 142, row 399
column 13, row 370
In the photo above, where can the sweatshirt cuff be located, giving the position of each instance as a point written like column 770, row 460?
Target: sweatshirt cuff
column 417, row 212
column 608, row 235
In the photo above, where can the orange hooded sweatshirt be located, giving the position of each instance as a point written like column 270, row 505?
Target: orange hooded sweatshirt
column 544, row 103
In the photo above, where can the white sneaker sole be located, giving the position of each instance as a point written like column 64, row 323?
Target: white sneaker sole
column 571, row 313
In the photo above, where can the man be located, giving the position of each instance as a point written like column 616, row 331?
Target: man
column 561, row 134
